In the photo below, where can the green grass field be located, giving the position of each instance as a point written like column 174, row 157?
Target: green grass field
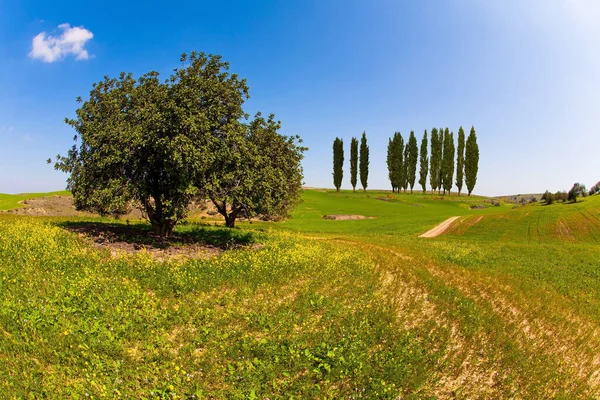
column 505, row 304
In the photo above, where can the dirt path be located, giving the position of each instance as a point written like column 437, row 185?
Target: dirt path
column 438, row 230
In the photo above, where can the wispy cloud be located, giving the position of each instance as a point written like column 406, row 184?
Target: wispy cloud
column 71, row 41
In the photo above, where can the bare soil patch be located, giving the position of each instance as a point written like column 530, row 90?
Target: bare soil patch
column 131, row 239
column 345, row 217
column 438, row 230
column 62, row 206
column 53, row 206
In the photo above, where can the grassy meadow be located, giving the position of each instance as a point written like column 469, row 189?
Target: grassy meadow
column 505, row 304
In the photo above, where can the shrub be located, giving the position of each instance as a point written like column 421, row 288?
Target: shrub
column 577, row 190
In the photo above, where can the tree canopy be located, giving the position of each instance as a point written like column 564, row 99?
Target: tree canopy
column 155, row 145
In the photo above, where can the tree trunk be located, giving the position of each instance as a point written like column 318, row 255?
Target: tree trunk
column 163, row 228
column 231, row 217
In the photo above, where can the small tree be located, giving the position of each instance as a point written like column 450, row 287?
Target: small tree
column 548, row 197
column 460, row 159
column 561, row 196
column 338, row 163
column 145, row 143
column 577, row 190
column 353, row 163
column 413, row 158
column 257, row 171
column 423, row 163
column 364, row 161
column 471, row 161
column 594, row 189
column 405, row 168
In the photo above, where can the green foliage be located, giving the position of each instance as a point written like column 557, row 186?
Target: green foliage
column 471, row 161
column 577, row 190
column 548, row 197
column 395, row 160
column 255, row 170
column 423, row 163
column 405, row 169
column 155, row 145
column 561, row 196
column 413, row 158
column 594, row 189
column 448, row 161
column 435, row 159
column 364, row 161
column 353, row 162
column 338, row 162
column 460, row 159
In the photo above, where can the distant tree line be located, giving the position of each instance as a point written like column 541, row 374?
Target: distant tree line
column 578, row 190
column 439, row 163
column 403, row 157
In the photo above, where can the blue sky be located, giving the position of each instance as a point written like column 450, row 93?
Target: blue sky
column 525, row 73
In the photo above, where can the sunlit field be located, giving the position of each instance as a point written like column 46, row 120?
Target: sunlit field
column 504, row 304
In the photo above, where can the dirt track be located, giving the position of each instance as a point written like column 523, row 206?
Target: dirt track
column 438, row 230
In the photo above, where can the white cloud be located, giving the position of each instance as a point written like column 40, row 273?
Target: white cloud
column 50, row 48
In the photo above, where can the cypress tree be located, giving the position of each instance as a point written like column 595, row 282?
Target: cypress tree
column 364, row 161
column 471, row 161
column 413, row 158
column 433, row 160
column 399, row 159
column 405, row 168
column 338, row 162
column 448, row 161
column 394, row 160
column 460, row 159
column 390, row 163
column 440, row 167
column 353, row 162
column 423, row 162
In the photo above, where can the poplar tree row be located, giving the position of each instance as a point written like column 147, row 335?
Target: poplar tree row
column 440, row 165
column 358, row 162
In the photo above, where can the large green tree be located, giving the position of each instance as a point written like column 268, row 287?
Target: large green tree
column 256, row 171
column 364, row 161
column 413, row 158
column 471, row 161
column 435, row 159
column 155, row 145
column 353, row 163
column 144, row 142
column 448, row 161
column 338, row 163
column 423, row 163
column 460, row 159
